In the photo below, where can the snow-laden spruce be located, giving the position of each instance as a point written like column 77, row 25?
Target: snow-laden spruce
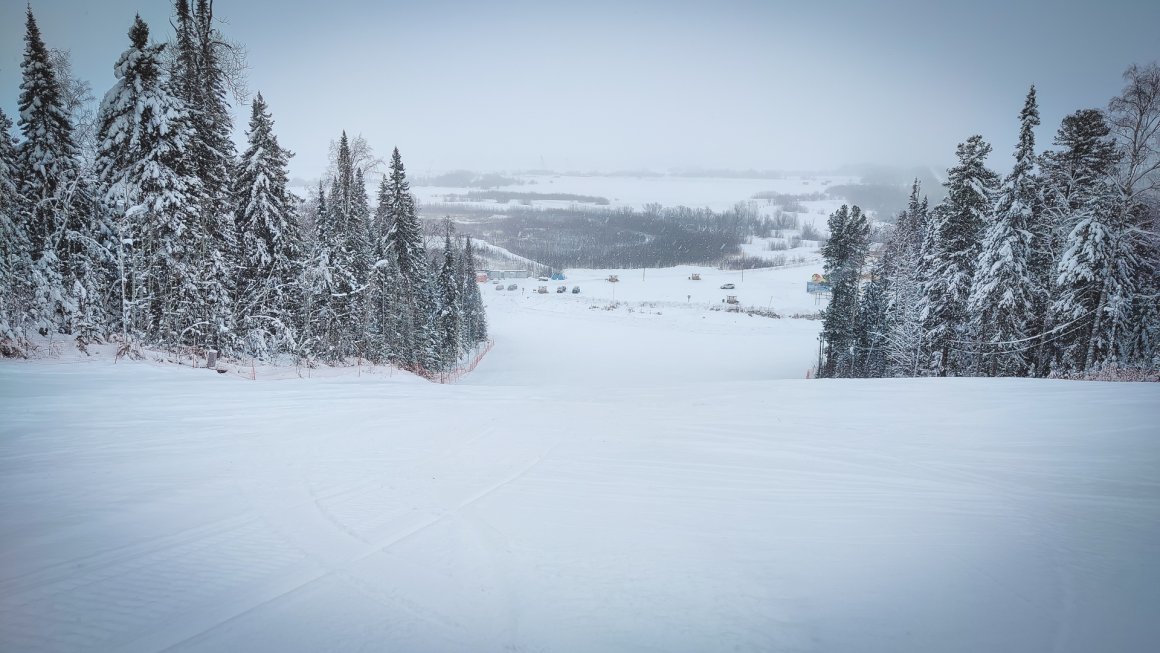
column 199, row 81
column 1000, row 303
column 474, row 317
column 269, row 239
column 339, row 267
column 15, row 253
column 958, row 223
column 449, row 316
column 888, row 328
column 404, row 242
column 1097, row 269
column 58, row 219
column 1065, row 276
column 845, row 253
column 145, row 171
column 903, row 276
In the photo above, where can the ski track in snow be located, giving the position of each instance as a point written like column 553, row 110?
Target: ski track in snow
column 604, row 481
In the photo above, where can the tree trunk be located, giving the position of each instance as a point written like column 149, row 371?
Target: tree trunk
column 1095, row 334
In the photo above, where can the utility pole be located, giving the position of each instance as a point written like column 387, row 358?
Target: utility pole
column 821, row 339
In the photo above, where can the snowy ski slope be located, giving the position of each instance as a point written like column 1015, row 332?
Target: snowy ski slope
column 660, row 479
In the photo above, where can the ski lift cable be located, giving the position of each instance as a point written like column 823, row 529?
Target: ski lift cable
column 1056, row 331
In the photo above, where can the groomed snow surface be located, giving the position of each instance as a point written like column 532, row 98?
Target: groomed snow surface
column 654, row 475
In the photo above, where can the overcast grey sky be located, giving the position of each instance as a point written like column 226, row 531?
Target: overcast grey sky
column 625, row 85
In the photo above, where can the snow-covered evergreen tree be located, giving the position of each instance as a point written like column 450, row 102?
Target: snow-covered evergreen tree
column 950, row 262
column 1076, row 183
column 314, row 283
column 844, row 253
column 392, row 322
column 404, row 240
column 340, row 278
column 1002, row 298
column 362, row 224
column 1097, row 275
column 362, row 220
column 144, row 169
column 269, row 238
column 383, row 276
column 903, row 269
column 15, row 250
column 475, row 316
column 871, row 328
column 449, row 316
column 404, row 235
column 54, row 215
column 1097, row 271
column 200, row 83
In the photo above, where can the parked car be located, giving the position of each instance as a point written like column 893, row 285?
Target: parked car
column 542, row 279
column 575, row 290
column 560, row 289
column 727, row 286
column 543, row 290
column 512, row 286
column 499, row 286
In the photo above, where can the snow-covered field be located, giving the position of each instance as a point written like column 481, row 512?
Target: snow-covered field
column 780, row 289
column 653, row 479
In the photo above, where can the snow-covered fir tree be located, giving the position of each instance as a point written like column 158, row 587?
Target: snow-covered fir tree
column 474, row 316
column 871, row 327
column 382, row 278
column 151, row 185
column 1097, row 270
column 314, row 284
column 404, row 241
column 54, row 217
column 270, row 241
column 336, row 275
column 951, row 261
column 449, row 310
column 902, row 269
column 404, row 232
column 385, row 320
column 1097, row 274
column 1002, row 298
column 200, row 83
column 362, row 222
column 844, row 253
column 173, row 240
column 15, row 251
column 1077, row 178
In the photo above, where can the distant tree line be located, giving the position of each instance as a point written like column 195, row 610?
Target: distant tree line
column 166, row 236
column 467, row 179
column 505, row 196
column 1053, row 270
column 619, row 237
